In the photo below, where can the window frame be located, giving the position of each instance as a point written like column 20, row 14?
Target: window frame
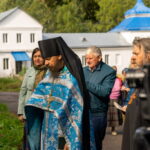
column 18, row 37
column 107, row 59
column 5, row 37
column 32, row 37
column 5, row 63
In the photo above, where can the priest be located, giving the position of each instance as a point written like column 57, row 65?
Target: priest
column 58, row 110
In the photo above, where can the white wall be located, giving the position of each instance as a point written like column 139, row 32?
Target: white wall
column 119, row 57
column 25, row 44
column 19, row 22
column 11, row 66
column 123, row 60
column 130, row 35
column 80, row 52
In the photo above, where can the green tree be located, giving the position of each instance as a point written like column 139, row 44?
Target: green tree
column 53, row 3
column 90, row 7
column 147, row 2
column 39, row 11
column 6, row 4
column 70, row 18
column 74, row 15
column 111, row 13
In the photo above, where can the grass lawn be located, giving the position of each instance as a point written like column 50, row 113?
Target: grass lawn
column 10, row 84
column 11, row 130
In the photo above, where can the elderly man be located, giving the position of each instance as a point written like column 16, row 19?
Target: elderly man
column 134, row 118
column 99, row 79
column 58, row 111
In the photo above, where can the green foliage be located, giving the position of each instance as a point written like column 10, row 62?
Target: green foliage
column 6, row 4
column 70, row 18
column 10, row 84
column 53, row 3
column 90, row 7
column 3, row 108
column 147, row 2
column 74, row 15
column 11, row 130
column 39, row 11
column 111, row 13
column 23, row 71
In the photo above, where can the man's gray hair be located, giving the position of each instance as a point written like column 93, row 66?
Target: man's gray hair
column 94, row 50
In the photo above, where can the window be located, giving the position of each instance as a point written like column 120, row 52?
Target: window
column 5, row 63
column 32, row 37
column 83, row 61
column 5, row 36
column 118, row 59
column 18, row 37
column 107, row 59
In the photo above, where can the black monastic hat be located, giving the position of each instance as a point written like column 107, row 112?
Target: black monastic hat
column 49, row 47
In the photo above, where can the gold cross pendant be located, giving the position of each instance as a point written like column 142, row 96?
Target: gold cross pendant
column 49, row 100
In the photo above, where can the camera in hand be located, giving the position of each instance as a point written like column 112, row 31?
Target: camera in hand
column 139, row 78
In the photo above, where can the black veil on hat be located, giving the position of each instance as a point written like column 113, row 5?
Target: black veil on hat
column 57, row 46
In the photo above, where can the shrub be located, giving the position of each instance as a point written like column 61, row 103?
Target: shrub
column 11, row 130
column 10, row 84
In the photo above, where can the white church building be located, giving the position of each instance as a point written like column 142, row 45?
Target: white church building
column 19, row 34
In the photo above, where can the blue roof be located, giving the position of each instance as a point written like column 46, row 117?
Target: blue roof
column 133, row 23
column 139, row 8
column 20, row 56
column 136, row 19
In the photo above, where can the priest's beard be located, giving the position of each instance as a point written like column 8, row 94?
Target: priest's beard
column 55, row 70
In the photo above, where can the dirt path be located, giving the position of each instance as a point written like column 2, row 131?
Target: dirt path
column 10, row 99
